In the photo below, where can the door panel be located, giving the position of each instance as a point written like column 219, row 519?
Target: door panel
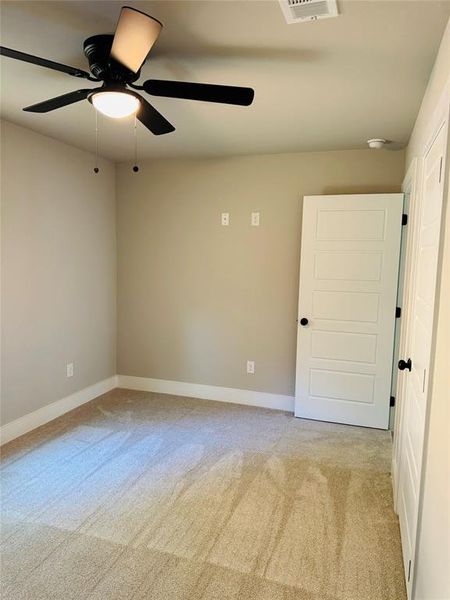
column 355, row 266
column 348, row 283
column 350, row 224
column 339, row 385
column 345, row 306
column 335, row 345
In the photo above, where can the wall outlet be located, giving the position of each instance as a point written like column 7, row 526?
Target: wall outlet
column 69, row 370
column 255, row 219
column 225, row 219
column 251, row 367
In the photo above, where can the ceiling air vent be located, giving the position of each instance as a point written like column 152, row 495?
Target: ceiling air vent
column 296, row 11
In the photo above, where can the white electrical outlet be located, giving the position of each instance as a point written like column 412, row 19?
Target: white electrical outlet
column 251, row 367
column 225, row 219
column 69, row 370
column 255, row 219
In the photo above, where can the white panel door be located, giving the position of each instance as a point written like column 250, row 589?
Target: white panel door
column 418, row 348
column 348, row 286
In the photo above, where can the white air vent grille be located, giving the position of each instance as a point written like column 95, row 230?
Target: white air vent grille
column 296, row 11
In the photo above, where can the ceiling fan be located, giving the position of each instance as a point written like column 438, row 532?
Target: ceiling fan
column 116, row 60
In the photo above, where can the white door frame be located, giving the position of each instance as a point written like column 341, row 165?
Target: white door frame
column 414, row 184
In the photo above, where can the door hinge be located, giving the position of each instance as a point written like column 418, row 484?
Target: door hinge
column 398, row 312
column 392, row 401
column 404, row 219
column 409, row 571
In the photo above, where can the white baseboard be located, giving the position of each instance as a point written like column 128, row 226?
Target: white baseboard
column 15, row 429
column 207, row 392
column 43, row 415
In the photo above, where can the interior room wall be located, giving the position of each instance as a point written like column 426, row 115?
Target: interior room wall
column 433, row 551
column 58, row 249
column 196, row 300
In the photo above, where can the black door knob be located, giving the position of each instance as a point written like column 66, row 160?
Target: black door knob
column 304, row 321
column 405, row 364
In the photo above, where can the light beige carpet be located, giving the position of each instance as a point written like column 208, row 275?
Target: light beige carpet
column 139, row 495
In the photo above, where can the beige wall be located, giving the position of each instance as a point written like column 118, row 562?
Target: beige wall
column 438, row 80
column 197, row 300
column 433, row 552
column 58, row 270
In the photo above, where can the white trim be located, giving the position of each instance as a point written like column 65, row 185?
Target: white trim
column 43, row 415
column 440, row 116
column 207, row 392
column 428, row 129
column 15, row 429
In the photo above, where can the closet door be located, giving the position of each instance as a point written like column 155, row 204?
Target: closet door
column 414, row 382
column 347, row 299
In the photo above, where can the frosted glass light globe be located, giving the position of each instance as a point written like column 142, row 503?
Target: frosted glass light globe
column 115, row 104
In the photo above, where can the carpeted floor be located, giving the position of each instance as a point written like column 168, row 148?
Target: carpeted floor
column 139, row 495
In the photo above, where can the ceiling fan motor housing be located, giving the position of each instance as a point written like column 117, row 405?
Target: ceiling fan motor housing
column 97, row 49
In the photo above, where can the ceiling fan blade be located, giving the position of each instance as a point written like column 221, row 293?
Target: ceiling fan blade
column 225, row 94
column 43, row 62
column 59, row 101
column 135, row 35
column 152, row 119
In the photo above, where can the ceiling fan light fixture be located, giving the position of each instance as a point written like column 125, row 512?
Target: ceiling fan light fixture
column 116, row 61
column 115, row 104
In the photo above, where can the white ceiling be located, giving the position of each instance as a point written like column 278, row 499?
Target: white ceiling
column 323, row 85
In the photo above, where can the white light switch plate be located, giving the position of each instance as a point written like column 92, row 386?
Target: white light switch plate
column 251, row 367
column 255, row 219
column 225, row 219
column 69, row 369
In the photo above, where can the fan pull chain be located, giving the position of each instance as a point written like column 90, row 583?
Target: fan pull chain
column 135, row 167
column 96, row 169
